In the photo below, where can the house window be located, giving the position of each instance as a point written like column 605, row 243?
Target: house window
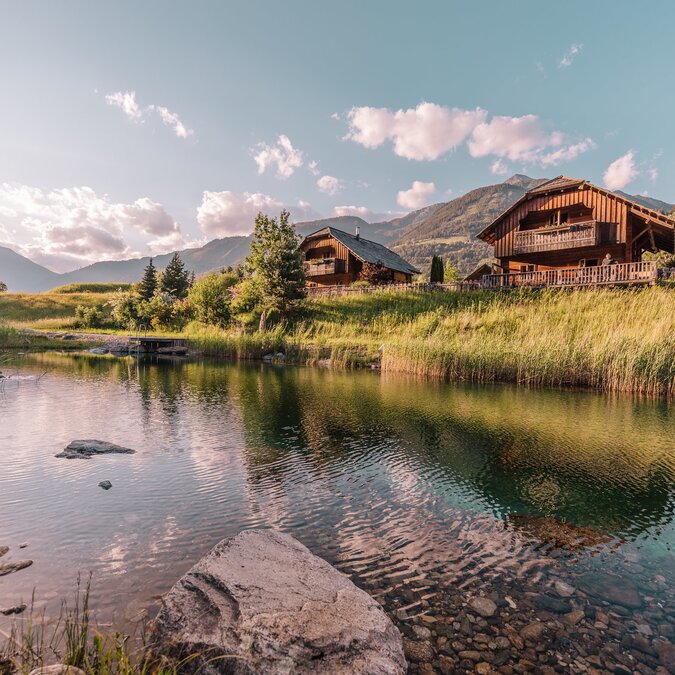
column 528, row 268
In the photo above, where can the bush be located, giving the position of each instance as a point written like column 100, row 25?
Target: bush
column 92, row 317
column 211, row 297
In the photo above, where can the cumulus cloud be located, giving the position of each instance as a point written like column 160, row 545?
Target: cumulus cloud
column 329, row 185
column 360, row 211
column 523, row 139
column 567, row 60
column 227, row 213
column 313, row 167
column 76, row 225
column 281, row 155
column 621, row 172
column 126, row 101
column 422, row 133
column 429, row 131
column 417, row 196
column 499, row 167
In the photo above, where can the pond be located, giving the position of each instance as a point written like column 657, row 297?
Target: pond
column 426, row 494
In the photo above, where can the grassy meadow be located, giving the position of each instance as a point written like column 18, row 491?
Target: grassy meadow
column 607, row 339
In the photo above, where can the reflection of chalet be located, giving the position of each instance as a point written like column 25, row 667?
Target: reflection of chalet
column 569, row 223
column 335, row 258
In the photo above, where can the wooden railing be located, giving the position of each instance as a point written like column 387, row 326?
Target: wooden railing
column 324, row 266
column 624, row 273
column 574, row 236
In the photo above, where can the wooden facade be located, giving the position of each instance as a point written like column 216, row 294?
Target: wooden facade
column 336, row 258
column 569, row 222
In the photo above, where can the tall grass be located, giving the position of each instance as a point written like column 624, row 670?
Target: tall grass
column 51, row 310
column 608, row 339
column 92, row 288
column 73, row 640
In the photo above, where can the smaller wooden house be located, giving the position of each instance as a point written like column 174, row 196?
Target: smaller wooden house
column 336, row 258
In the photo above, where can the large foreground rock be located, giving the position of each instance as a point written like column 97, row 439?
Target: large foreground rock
column 261, row 602
column 88, row 448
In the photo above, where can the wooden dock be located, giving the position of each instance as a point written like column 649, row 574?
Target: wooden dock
column 158, row 345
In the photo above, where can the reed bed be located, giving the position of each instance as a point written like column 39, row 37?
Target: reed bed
column 607, row 339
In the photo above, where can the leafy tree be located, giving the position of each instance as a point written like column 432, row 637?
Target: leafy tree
column 451, row 273
column 375, row 273
column 275, row 264
column 211, row 297
column 175, row 278
column 436, row 276
column 149, row 283
column 3, row 287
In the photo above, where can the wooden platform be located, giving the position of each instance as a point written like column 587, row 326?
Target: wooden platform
column 159, row 345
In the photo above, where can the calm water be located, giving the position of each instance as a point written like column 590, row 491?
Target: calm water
column 406, row 486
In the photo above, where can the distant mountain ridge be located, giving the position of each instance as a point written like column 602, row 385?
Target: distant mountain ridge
column 447, row 228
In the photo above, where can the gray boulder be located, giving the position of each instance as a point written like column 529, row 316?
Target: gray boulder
column 88, row 448
column 261, row 602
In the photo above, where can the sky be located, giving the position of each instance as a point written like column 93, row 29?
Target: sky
column 136, row 128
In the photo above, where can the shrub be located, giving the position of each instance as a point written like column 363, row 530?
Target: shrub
column 211, row 297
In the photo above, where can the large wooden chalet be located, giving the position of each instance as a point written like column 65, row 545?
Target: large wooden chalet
column 336, row 258
column 569, row 223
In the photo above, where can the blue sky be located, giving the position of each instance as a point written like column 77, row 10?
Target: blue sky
column 131, row 128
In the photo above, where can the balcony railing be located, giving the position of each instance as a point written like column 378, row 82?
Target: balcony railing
column 619, row 274
column 556, row 239
column 324, row 266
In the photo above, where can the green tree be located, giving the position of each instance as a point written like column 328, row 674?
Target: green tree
column 375, row 273
column 175, row 278
column 275, row 264
column 436, row 275
column 148, row 285
column 451, row 273
column 3, row 287
column 211, row 298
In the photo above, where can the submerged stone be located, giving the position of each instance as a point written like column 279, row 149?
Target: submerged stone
column 3, row 550
column 261, row 602
column 88, row 448
column 105, row 484
column 9, row 568
column 613, row 589
column 483, row 606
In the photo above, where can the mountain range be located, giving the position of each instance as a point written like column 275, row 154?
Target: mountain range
column 448, row 229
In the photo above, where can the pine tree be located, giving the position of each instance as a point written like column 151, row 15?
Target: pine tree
column 176, row 279
column 275, row 263
column 436, row 275
column 148, row 284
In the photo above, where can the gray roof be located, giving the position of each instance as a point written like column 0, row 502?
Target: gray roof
column 558, row 183
column 369, row 251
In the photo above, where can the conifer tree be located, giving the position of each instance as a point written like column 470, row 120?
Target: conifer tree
column 436, row 276
column 148, row 282
column 175, row 278
column 275, row 264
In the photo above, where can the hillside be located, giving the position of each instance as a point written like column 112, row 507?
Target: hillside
column 451, row 229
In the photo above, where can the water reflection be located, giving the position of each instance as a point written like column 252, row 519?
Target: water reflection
column 403, row 484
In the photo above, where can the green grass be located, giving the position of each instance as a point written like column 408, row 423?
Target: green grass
column 91, row 288
column 608, row 339
column 46, row 310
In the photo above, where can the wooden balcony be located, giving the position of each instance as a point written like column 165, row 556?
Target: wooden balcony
column 603, row 275
column 325, row 266
column 576, row 235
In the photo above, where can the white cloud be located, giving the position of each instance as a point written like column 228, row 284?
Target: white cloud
column 653, row 174
column 126, row 101
column 360, row 211
column 76, row 226
column 523, row 139
column 313, row 167
column 329, row 185
column 570, row 55
column 172, row 120
column 282, row 154
column 620, row 172
column 422, row 133
column 499, row 167
column 417, row 196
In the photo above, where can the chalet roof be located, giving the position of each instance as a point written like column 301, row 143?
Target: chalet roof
column 367, row 251
column 562, row 183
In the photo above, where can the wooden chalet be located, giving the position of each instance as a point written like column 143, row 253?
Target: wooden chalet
column 569, row 224
column 336, row 258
